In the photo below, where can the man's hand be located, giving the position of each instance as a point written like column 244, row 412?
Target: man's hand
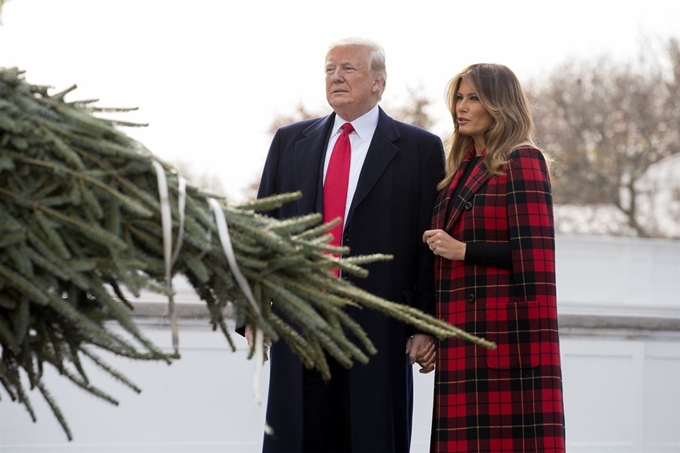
column 250, row 338
column 421, row 350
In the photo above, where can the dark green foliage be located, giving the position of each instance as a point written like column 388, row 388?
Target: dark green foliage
column 80, row 219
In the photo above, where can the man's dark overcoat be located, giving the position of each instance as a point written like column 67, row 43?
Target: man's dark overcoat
column 508, row 399
column 391, row 209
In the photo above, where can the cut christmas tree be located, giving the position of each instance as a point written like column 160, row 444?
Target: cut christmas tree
column 88, row 214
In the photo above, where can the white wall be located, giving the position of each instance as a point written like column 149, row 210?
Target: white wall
column 622, row 394
column 620, row 335
column 203, row 402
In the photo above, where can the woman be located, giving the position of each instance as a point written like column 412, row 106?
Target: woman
column 494, row 246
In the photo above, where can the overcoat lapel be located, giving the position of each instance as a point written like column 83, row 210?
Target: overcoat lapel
column 380, row 153
column 309, row 153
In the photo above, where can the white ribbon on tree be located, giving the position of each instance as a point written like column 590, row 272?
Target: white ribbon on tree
column 170, row 258
column 223, row 230
column 168, row 255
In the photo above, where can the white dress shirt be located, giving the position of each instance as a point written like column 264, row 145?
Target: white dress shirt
column 360, row 140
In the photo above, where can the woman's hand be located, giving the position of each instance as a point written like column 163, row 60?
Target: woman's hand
column 444, row 245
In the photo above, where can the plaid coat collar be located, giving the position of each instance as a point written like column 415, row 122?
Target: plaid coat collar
column 447, row 210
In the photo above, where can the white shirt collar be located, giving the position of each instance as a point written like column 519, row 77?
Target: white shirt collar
column 364, row 125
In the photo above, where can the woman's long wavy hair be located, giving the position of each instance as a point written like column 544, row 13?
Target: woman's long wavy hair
column 501, row 94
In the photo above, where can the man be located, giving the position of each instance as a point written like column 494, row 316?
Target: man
column 393, row 174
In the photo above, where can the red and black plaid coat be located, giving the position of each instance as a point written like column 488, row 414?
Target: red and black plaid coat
column 508, row 399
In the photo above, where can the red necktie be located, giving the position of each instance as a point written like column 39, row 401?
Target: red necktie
column 337, row 179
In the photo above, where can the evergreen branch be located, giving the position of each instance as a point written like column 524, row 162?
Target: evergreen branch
column 85, row 385
column 49, row 230
column 18, row 256
column 55, row 408
column 131, row 204
column 109, row 369
column 23, row 285
column 270, row 203
column 294, row 340
column 21, row 318
column 7, row 338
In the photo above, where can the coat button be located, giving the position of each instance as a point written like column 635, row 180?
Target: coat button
column 468, row 205
column 470, row 298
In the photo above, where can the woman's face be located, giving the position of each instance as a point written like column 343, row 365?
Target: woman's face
column 473, row 119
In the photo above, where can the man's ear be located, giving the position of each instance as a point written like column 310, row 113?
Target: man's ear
column 378, row 83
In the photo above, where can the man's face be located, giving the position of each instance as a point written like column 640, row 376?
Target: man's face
column 351, row 88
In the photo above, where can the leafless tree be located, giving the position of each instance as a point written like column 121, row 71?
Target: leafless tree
column 299, row 113
column 204, row 180
column 415, row 112
column 607, row 124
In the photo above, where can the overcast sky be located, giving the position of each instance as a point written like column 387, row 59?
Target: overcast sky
column 209, row 76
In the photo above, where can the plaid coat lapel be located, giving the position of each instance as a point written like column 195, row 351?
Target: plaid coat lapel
column 447, row 211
